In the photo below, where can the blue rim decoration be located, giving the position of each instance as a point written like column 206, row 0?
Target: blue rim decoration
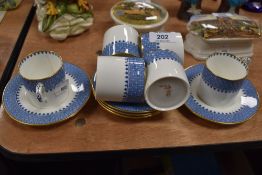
column 131, row 107
column 160, row 54
column 239, row 116
column 120, row 47
column 49, row 83
column 148, row 46
column 36, row 53
column 21, row 115
column 220, row 84
column 134, row 80
column 128, row 107
column 241, row 60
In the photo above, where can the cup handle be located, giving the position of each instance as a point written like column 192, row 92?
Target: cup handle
column 40, row 92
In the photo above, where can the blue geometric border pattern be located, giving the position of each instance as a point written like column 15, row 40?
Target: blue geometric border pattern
column 131, row 107
column 120, row 47
column 128, row 107
column 244, row 113
column 220, row 84
column 49, row 83
column 241, row 60
column 37, row 53
column 159, row 54
column 134, row 80
column 16, row 112
column 148, row 46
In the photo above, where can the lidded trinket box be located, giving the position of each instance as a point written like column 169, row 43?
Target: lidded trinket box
column 221, row 32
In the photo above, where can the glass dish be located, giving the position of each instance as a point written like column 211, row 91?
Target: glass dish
column 140, row 15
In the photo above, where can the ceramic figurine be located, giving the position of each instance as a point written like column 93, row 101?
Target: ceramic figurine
column 9, row 4
column 193, row 7
column 253, row 6
column 188, row 8
column 231, row 6
column 63, row 18
column 234, row 4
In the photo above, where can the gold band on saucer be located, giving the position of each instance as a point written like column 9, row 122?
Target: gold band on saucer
column 126, row 112
column 126, row 115
column 131, row 112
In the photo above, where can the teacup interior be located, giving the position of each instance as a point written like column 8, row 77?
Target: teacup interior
column 167, row 93
column 40, row 66
column 227, row 67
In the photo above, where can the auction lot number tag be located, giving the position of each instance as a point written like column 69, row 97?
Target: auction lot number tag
column 163, row 37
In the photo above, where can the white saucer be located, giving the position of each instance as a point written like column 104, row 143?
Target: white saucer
column 242, row 108
column 21, row 108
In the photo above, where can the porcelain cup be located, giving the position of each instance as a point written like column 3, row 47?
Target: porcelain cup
column 176, row 45
column 221, row 79
column 121, row 40
column 167, row 86
column 120, row 79
column 44, row 78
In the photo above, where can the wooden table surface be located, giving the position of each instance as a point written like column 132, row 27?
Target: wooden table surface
column 10, row 28
column 106, row 132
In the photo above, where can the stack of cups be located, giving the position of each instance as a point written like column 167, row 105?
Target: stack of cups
column 123, row 76
column 120, row 73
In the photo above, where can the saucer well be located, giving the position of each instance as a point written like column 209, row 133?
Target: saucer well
column 18, row 105
column 242, row 108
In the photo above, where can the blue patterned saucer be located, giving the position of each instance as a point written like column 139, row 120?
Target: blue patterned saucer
column 242, row 108
column 21, row 108
column 125, row 106
column 131, row 107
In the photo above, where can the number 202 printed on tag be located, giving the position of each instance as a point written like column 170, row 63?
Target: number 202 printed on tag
column 163, row 37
